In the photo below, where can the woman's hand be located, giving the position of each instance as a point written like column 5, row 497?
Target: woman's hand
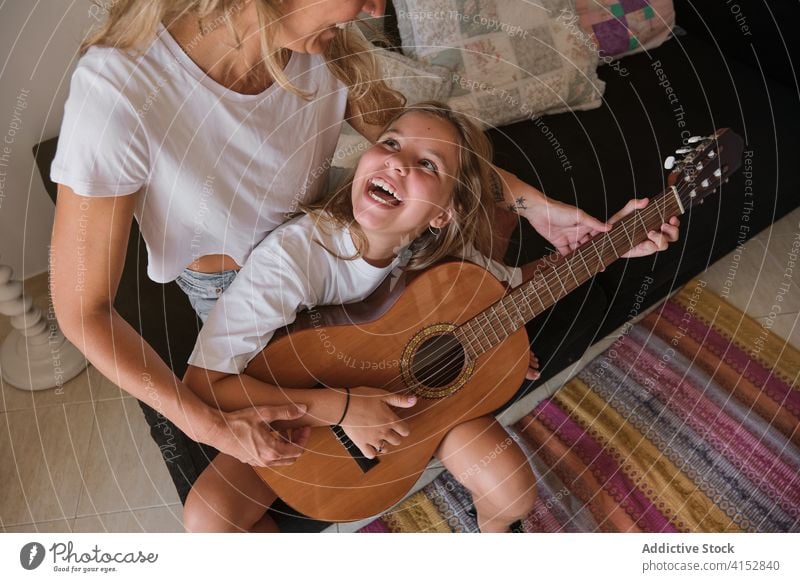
column 247, row 435
column 370, row 421
column 564, row 226
column 657, row 240
column 567, row 227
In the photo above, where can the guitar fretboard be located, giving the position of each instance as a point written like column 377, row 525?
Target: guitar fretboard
column 561, row 275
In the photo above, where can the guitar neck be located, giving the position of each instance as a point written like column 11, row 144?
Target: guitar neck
column 558, row 277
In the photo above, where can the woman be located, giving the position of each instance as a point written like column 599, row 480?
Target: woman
column 207, row 121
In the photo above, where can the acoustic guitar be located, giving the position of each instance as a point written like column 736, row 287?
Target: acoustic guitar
column 453, row 336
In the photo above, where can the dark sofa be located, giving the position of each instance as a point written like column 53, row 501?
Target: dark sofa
column 719, row 77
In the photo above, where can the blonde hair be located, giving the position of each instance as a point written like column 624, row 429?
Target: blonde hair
column 472, row 203
column 133, row 24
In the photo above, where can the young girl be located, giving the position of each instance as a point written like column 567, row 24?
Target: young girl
column 422, row 189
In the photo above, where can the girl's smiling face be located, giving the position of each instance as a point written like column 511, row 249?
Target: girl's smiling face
column 404, row 183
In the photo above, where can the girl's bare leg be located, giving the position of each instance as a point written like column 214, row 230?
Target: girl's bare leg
column 228, row 497
column 484, row 458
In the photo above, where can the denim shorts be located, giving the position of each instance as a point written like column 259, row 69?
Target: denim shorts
column 203, row 289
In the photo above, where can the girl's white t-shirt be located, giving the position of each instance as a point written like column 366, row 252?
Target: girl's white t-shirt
column 299, row 266
column 216, row 170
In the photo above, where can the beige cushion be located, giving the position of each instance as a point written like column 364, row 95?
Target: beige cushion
column 510, row 59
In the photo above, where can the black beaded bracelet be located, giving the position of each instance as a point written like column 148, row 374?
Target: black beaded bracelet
column 346, row 406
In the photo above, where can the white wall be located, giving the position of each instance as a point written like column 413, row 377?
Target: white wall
column 38, row 48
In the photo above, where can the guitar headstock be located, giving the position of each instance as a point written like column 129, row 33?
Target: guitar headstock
column 706, row 163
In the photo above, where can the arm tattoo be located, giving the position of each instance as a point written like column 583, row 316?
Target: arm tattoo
column 519, row 205
column 497, row 186
column 497, row 192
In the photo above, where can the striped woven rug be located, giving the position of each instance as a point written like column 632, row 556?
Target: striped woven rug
column 688, row 422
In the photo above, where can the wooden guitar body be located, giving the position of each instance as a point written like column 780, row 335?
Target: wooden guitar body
column 331, row 347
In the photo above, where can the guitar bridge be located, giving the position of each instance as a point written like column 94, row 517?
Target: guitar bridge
column 363, row 462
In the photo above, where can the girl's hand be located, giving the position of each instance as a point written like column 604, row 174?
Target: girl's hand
column 247, row 436
column 370, row 421
column 658, row 240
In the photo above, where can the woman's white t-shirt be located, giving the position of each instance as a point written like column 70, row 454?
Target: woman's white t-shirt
column 217, row 170
column 299, row 266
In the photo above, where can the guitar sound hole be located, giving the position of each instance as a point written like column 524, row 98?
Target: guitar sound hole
column 438, row 361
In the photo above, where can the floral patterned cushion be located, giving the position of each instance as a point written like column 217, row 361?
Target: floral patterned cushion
column 510, row 60
column 417, row 81
column 623, row 27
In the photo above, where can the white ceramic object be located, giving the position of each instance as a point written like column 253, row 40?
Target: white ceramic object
column 35, row 355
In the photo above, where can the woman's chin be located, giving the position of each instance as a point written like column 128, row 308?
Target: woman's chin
column 314, row 46
column 318, row 44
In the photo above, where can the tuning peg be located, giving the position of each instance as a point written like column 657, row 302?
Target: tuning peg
column 695, row 139
column 692, row 193
column 705, row 184
column 717, row 172
column 681, row 151
column 712, row 154
column 669, row 163
column 698, row 166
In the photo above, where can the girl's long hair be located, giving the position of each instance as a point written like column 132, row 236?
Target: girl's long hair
column 472, row 203
column 131, row 25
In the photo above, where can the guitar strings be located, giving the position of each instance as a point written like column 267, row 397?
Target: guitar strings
column 563, row 272
column 617, row 235
column 557, row 273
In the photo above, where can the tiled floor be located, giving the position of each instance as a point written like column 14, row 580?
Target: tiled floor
column 82, row 460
